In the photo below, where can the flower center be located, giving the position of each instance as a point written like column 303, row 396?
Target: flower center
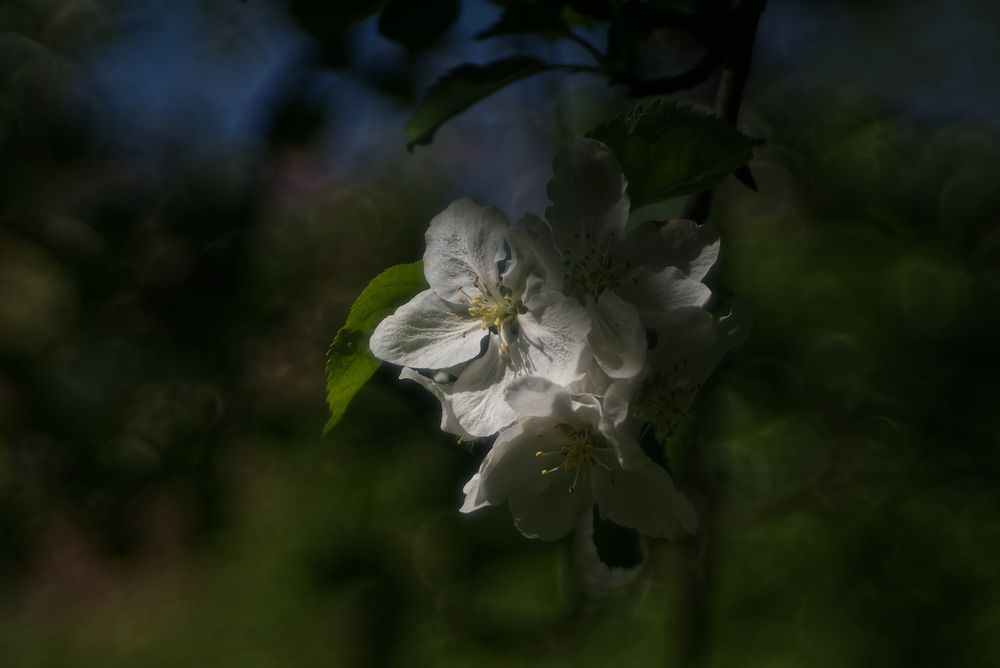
column 579, row 454
column 592, row 273
column 496, row 308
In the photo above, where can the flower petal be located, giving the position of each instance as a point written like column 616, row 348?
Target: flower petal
column 533, row 396
column 474, row 499
column 617, row 337
column 477, row 396
column 464, row 242
column 680, row 243
column 616, row 425
column 552, row 337
column 691, row 247
column 511, row 467
column 657, row 296
column 449, row 423
column 645, row 500
column 588, row 195
column 553, row 513
column 426, row 333
column 535, row 260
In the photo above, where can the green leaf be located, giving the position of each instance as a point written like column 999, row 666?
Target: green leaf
column 462, row 87
column 668, row 150
column 349, row 362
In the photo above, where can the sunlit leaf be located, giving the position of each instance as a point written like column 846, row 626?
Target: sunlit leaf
column 668, row 150
column 462, row 87
column 349, row 362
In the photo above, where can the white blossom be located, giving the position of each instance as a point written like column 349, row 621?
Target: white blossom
column 489, row 306
column 563, row 456
column 630, row 279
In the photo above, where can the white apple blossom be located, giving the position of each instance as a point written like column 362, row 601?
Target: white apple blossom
column 487, row 308
column 563, row 456
column 629, row 279
column 683, row 359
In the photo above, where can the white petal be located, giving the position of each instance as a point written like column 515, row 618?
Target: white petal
column 645, row 245
column 535, row 260
column 553, row 513
column 449, row 423
column 590, row 380
column 474, row 499
column 533, row 396
column 511, row 468
column 587, row 410
column 691, row 247
column 552, row 337
column 616, row 425
column 657, row 296
column 690, row 349
column 477, row 396
column 618, row 396
column 617, row 337
column 426, row 333
column 464, row 242
column 588, row 195
column 645, row 500
column 680, row 243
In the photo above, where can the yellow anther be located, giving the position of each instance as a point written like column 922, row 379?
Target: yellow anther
column 493, row 308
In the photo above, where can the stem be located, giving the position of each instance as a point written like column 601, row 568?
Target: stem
column 732, row 82
column 729, row 94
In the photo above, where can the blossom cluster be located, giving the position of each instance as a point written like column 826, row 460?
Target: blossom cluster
column 563, row 339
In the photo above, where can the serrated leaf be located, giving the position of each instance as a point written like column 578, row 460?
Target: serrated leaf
column 667, row 150
column 349, row 362
column 462, row 87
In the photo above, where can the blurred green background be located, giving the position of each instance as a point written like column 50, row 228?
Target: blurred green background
column 188, row 206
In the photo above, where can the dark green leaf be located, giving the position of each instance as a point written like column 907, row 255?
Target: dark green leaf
column 668, row 150
column 543, row 19
column 349, row 363
column 417, row 24
column 462, row 87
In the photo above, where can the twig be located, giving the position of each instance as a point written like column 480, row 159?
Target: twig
column 732, row 81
